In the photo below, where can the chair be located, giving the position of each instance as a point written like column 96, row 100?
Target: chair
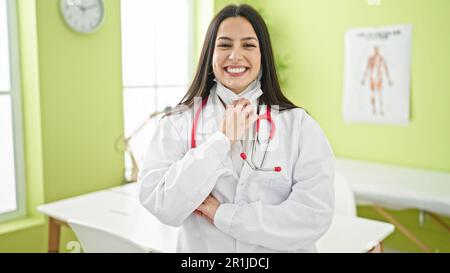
column 345, row 203
column 97, row 240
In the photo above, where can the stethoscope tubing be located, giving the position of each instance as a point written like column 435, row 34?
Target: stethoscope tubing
column 267, row 115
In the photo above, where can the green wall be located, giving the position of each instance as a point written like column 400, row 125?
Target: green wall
column 81, row 88
column 311, row 34
column 78, row 102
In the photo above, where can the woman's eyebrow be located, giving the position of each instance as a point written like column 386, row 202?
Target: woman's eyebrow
column 224, row 38
column 243, row 39
column 249, row 38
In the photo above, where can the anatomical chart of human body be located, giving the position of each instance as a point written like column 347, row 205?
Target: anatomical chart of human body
column 377, row 75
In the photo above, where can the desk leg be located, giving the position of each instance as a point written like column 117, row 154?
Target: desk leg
column 377, row 249
column 54, row 231
column 402, row 229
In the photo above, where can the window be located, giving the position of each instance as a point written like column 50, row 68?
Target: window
column 12, row 197
column 157, row 48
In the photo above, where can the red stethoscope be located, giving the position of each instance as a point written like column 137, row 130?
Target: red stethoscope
column 267, row 116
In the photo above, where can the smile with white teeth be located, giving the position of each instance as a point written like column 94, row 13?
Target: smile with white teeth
column 235, row 70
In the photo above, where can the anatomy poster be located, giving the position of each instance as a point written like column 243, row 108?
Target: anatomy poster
column 377, row 75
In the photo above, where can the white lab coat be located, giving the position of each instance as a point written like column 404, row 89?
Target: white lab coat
column 260, row 211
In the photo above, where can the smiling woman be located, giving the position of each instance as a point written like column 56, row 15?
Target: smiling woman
column 197, row 174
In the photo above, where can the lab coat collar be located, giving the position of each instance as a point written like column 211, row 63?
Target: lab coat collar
column 211, row 114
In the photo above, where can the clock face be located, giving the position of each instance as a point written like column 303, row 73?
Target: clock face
column 83, row 16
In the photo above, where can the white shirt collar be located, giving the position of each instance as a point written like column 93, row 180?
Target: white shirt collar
column 252, row 92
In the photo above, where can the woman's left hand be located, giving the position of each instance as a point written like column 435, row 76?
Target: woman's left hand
column 208, row 208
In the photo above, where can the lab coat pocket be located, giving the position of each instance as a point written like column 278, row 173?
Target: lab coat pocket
column 282, row 186
column 269, row 189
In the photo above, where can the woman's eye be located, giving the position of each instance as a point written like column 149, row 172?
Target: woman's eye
column 249, row 45
column 224, row 45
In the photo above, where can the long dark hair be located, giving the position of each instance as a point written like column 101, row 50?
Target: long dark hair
column 203, row 79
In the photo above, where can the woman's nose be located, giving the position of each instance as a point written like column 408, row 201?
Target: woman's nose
column 235, row 55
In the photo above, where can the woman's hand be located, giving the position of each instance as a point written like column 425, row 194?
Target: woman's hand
column 237, row 119
column 208, row 208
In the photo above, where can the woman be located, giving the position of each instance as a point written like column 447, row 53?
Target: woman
column 203, row 170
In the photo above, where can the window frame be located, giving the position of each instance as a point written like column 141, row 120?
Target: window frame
column 190, row 62
column 17, row 120
column 157, row 86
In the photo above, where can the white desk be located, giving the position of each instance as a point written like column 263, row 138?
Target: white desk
column 398, row 188
column 118, row 210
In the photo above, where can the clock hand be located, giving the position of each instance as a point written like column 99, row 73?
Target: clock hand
column 82, row 8
column 85, row 8
column 91, row 7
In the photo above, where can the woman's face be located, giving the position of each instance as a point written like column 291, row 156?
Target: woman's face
column 237, row 58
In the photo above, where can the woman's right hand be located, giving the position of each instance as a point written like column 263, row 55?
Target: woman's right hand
column 237, row 119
